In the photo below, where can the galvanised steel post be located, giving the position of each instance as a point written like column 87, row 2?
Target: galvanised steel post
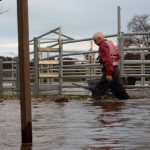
column 119, row 19
column 89, row 62
column 121, row 54
column 36, row 67
column 119, row 31
column 12, row 73
column 143, row 67
column 120, row 45
column 93, row 54
column 17, row 76
column 60, row 62
column 24, row 71
column 1, row 76
column 48, row 66
column 91, row 59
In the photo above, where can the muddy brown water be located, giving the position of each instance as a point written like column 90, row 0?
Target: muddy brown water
column 79, row 125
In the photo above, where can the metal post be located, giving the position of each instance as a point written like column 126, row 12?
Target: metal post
column 93, row 58
column 143, row 67
column 119, row 31
column 89, row 68
column 60, row 62
column 36, row 67
column 41, row 66
column 93, row 54
column 24, row 71
column 119, row 19
column 12, row 72
column 1, row 76
column 48, row 66
column 121, row 54
column 17, row 76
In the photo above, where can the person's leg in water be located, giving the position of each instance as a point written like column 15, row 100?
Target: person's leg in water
column 117, row 87
column 101, row 87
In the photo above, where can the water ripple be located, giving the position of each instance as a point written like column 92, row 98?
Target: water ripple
column 77, row 125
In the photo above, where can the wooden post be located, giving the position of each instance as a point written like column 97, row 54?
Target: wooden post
column 24, row 71
column 26, row 147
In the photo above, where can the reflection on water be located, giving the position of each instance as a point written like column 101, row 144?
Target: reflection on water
column 26, row 147
column 77, row 125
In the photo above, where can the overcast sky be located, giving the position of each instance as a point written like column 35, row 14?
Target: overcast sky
column 78, row 18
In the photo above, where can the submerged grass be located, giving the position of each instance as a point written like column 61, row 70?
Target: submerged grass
column 46, row 98
column 55, row 98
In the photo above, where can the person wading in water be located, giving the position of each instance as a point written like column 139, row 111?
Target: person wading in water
column 108, row 58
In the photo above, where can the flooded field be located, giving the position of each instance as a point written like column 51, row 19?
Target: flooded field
column 79, row 125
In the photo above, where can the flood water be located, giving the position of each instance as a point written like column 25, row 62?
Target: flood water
column 79, row 125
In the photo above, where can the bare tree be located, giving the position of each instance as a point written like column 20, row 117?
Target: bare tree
column 138, row 24
column 1, row 12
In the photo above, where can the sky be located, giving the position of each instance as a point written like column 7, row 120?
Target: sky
column 78, row 18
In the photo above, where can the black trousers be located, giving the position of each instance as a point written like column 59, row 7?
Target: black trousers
column 115, row 86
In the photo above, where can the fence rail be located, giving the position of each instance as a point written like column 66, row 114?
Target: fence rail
column 55, row 73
